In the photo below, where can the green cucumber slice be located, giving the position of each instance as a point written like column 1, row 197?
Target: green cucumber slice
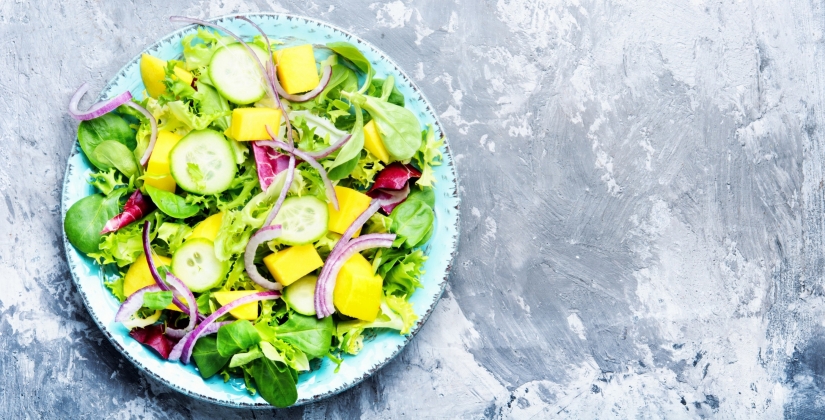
column 303, row 220
column 203, row 162
column 300, row 296
column 236, row 75
column 196, row 264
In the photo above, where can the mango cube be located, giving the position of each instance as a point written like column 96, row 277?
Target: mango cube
column 250, row 123
column 351, row 204
column 373, row 142
column 290, row 264
column 208, row 228
column 357, row 289
column 153, row 72
column 246, row 311
column 139, row 277
column 296, row 68
column 158, row 174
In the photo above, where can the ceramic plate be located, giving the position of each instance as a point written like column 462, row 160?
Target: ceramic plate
column 322, row 382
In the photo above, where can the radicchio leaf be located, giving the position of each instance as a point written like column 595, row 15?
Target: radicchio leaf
column 269, row 163
column 153, row 336
column 135, row 208
column 395, row 176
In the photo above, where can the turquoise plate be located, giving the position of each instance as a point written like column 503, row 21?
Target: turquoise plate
column 319, row 383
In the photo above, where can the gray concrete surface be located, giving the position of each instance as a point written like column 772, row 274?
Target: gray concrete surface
column 642, row 209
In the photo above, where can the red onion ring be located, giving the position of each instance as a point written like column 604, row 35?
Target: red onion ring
column 290, row 176
column 133, row 303
column 328, row 151
column 147, row 250
column 153, row 138
column 326, row 280
column 308, row 159
column 265, row 234
column 184, row 291
column 98, row 109
column 210, row 329
column 186, row 351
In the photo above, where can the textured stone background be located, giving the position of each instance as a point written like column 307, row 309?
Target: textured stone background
column 642, row 209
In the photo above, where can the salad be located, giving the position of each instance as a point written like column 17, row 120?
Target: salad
column 263, row 206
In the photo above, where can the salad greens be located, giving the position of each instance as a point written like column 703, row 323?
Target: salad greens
column 268, row 343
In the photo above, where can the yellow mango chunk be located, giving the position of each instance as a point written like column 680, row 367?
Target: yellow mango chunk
column 250, row 123
column 351, row 204
column 357, row 290
column 373, row 142
column 290, row 264
column 208, row 228
column 297, row 71
column 158, row 174
column 153, row 72
column 247, row 311
column 139, row 277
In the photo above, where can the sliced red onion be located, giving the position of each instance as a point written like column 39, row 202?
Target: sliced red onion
column 97, row 109
column 181, row 289
column 210, row 329
column 147, row 250
column 308, row 159
column 290, row 176
column 136, row 207
column 389, row 199
column 133, row 303
column 269, row 164
column 325, row 286
column 153, row 138
column 328, row 151
column 265, row 234
column 190, row 341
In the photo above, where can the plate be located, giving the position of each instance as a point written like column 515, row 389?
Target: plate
column 319, row 383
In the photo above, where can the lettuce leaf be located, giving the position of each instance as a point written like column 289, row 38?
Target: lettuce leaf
column 403, row 278
column 199, row 48
column 366, row 170
column 427, row 156
column 122, row 247
column 396, row 313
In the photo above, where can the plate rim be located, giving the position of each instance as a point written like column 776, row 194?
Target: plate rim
column 394, row 352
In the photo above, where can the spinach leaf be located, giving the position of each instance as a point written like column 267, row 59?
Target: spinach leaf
column 237, row 336
column 411, row 221
column 378, row 90
column 354, row 55
column 352, row 149
column 114, row 154
column 171, row 204
column 157, row 301
column 340, row 79
column 240, row 359
column 109, row 126
column 425, row 195
column 398, row 126
column 342, row 171
column 86, row 218
column 275, row 381
column 206, row 356
column 307, row 333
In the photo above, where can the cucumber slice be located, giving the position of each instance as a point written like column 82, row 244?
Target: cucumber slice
column 203, row 162
column 300, row 296
column 196, row 264
column 302, row 219
column 236, row 75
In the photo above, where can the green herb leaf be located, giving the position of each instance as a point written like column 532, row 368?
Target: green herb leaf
column 113, row 154
column 86, row 218
column 275, row 381
column 237, row 336
column 116, row 287
column 307, row 333
column 171, row 204
column 240, row 359
column 352, row 149
column 157, row 301
column 411, row 221
column 206, row 356
column 354, row 55
column 109, row 126
column 398, row 126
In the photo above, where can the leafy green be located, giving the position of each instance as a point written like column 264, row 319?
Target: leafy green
column 427, row 196
column 427, row 156
column 354, row 55
column 381, row 89
column 86, row 218
column 171, row 204
column 210, row 102
column 398, row 126
column 237, row 336
column 352, row 149
column 206, row 356
column 350, row 333
column 240, row 359
column 404, row 309
column 365, row 171
column 173, row 234
column 198, row 48
column 123, row 246
column 275, row 381
column 411, row 221
column 114, row 154
column 403, row 278
column 308, row 333
column 157, row 301
column 107, row 181
column 109, row 126
column 116, row 287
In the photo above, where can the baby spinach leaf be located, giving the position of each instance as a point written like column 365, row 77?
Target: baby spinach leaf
column 398, row 126
column 352, row 149
column 425, row 195
column 353, row 54
column 346, row 168
column 240, row 359
column 411, row 221
column 86, row 218
column 275, row 381
column 237, row 336
column 171, row 204
column 206, row 356
column 109, row 126
column 307, row 333
column 157, row 301
column 116, row 155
